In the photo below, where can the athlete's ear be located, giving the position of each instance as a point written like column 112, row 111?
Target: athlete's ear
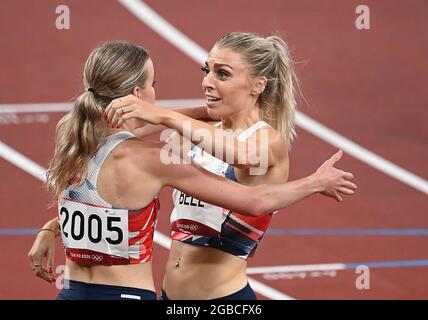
column 137, row 92
column 259, row 86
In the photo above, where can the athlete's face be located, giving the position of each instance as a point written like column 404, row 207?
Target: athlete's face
column 148, row 93
column 227, row 83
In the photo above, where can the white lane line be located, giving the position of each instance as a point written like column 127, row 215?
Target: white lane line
column 34, row 107
column 361, row 153
column 22, row 162
column 297, row 268
column 161, row 239
column 188, row 46
column 268, row 291
column 165, row 29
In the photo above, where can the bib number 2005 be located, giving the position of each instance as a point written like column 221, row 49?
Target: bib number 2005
column 94, row 228
column 93, row 224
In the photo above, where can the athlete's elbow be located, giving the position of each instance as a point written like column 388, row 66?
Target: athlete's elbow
column 250, row 207
column 258, row 205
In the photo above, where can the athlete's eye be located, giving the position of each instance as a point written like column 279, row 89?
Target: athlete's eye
column 205, row 70
column 222, row 75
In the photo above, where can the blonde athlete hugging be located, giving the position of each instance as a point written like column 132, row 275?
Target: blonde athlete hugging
column 249, row 83
column 107, row 181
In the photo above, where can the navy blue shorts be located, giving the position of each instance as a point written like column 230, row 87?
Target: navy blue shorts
column 77, row 290
column 245, row 293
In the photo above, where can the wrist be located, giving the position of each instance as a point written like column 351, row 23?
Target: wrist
column 316, row 183
column 173, row 120
column 48, row 230
column 51, row 225
column 165, row 117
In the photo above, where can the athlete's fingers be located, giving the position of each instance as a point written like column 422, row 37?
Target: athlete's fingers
column 112, row 105
column 123, row 113
column 120, row 119
column 50, row 260
column 31, row 258
column 336, row 157
column 350, row 185
column 112, row 115
column 42, row 273
column 119, row 102
column 116, row 113
column 115, row 105
column 127, row 116
column 35, row 260
column 346, row 191
column 348, row 175
column 338, row 197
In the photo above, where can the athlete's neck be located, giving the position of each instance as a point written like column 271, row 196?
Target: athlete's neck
column 241, row 120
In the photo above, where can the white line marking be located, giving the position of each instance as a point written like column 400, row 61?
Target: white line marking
column 22, row 162
column 297, row 268
column 198, row 54
column 161, row 239
column 165, row 29
column 35, row 107
column 361, row 153
column 268, row 291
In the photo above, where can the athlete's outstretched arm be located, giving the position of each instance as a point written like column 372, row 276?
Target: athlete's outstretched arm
column 255, row 200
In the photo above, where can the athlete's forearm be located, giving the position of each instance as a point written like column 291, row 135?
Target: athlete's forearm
column 213, row 140
column 143, row 129
column 274, row 197
column 198, row 113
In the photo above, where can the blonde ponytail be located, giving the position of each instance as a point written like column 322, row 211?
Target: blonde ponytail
column 284, row 90
column 78, row 138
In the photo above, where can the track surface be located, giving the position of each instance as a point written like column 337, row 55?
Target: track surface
column 369, row 86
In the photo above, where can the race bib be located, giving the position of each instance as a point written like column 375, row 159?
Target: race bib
column 103, row 230
column 193, row 215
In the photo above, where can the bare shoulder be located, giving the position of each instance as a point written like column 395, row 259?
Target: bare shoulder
column 139, row 151
column 276, row 145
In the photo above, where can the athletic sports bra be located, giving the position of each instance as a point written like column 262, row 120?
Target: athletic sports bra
column 96, row 233
column 204, row 224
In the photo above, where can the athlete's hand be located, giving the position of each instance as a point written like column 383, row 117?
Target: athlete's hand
column 131, row 107
column 43, row 247
column 334, row 181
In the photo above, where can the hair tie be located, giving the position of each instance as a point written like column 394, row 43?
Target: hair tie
column 92, row 90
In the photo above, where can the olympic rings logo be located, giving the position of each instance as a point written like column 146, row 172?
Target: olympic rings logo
column 193, row 227
column 96, row 258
